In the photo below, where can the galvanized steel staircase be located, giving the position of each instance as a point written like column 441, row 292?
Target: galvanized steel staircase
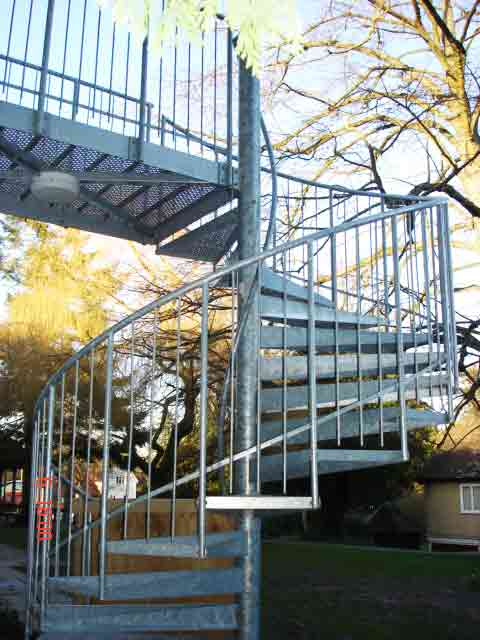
column 352, row 301
column 360, row 370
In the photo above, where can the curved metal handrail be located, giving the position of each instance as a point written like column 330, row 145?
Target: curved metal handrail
column 218, row 275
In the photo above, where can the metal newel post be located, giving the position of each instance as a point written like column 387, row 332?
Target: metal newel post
column 248, row 347
column 39, row 116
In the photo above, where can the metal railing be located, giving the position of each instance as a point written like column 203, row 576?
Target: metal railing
column 143, row 395
column 71, row 60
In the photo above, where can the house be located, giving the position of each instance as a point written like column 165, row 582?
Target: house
column 452, row 500
column 117, row 483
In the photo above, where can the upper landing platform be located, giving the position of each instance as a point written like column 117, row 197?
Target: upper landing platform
column 148, row 138
column 144, row 200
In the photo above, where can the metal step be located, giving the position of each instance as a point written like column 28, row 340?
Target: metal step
column 223, row 544
column 208, row 243
column 278, row 285
column 296, row 367
column 296, row 339
column 297, row 396
column 262, row 503
column 158, row 584
column 271, row 308
column 329, row 461
column 350, row 424
column 123, row 618
column 188, row 215
column 115, row 635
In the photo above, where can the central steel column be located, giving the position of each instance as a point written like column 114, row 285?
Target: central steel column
column 248, row 348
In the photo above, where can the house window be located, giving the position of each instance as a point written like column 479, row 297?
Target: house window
column 470, row 498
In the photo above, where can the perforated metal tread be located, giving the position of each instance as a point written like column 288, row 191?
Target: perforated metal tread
column 143, row 212
column 208, row 243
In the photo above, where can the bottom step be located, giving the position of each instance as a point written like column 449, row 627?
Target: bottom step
column 137, row 618
column 262, row 503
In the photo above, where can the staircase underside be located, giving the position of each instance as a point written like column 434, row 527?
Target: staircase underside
column 143, row 199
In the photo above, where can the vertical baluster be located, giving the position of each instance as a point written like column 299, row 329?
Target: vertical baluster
column 39, row 116
column 232, row 375
column 80, row 63
column 175, row 426
column 215, row 55
column 150, row 429
column 229, row 106
column 174, row 113
column 89, row 545
column 428, row 304
column 385, row 267
column 25, row 55
column 10, row 32
column 312, row 379
column 95, row 73
column 259, row 389
column 31, row 545
column 105, row 462
column 111, row 99
column 284, row 374
column 143, row 101
column 87, row 465
column 202, row 488
column 202, row 91
column 189, row 74
column 161, row 123
column 379, row 338
column 64, row 63
column 435, row 277
column 359, row 335
column 398, row 318
column 131, row 426
column 451, row 292
column 127, row 68
column 72, row 466
column 58, row 514
column 47, row 501
column 333, row 268
column 41, row 469
column 445, row 303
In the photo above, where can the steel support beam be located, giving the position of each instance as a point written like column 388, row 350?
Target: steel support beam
column 248, row 348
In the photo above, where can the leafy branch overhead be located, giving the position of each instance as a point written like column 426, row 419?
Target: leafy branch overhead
column 257, row 23
column 406, row 74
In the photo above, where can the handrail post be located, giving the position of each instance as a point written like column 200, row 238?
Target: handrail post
column 40, row 113
column 442, row 234
column 398, row 327
column 229, row 107
column 451, row 295
column 31, row 527
column 106, row 452
column 312, row 381
column 202, row 480
column 47, row 493
column 143, row 102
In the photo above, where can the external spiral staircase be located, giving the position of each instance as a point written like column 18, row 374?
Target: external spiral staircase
column 333, row 341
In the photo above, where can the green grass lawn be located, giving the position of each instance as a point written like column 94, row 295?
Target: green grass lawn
column 333, row 592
